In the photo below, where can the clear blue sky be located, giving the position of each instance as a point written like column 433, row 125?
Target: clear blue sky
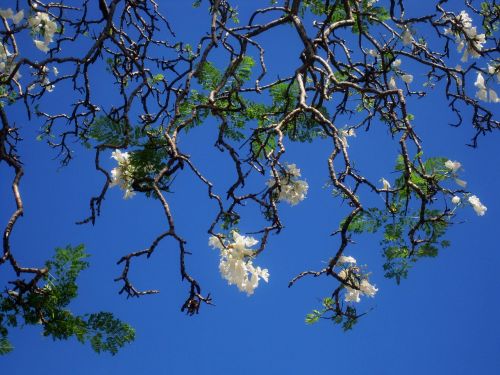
column 442, row 320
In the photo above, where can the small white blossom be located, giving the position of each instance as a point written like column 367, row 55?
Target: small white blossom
column 407, row 37
column 407, row 78
column 367, row 289
column 9, row 13
column 493, row 96
column 477, row 205
column 461, row 183
column 346, row 259
column 455, row 199
column 494, row 70
column 385, row 184
column 41, row 45
column 453, row 165
column 55, row 71
column 6, row 13
column 352, row 295
column 396, row 63
column 482, row 95
column 345, row 133
column 392, row 83
column 480, row 82
column 16, row 18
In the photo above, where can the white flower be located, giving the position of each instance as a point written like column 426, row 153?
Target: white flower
column 407, row 78
column 291, row 189
column 352, row 295
column 396, row 63
column 16, row 18
column 460, row 182
column 385, row 184
column 373, row 53
column 453, row 165
column 41, row 45
column 129, row 193
column 407, row 37
column 455, row 199
column 392, row 83
column 464, row 19
column 6, row 13
column 344, row 133
column 356, row 288
column 367, row 289
column 236, row 265
column 120, row 157
column 482, row 95
column 55, row 71
column 482, row 91
column 494, row 70
column 122, row 175
column 493, row 96
column 480, row 82
column 346, row 259
column 477, row 205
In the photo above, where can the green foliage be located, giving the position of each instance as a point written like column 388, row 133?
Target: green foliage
column 365, row 221
column 108, row 334
column 208, row 75
column 5, row 346
column 491, row 17
column 401, row 218
column 244, row 70
column 47, row 306
column 330, row 310
column 302, row 128
column 108, row 131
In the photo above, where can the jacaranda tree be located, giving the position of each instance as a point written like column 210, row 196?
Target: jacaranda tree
column 363, row 63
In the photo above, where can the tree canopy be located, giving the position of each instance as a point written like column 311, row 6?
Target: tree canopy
column 128, row 88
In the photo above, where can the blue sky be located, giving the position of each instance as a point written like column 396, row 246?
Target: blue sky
column 442, row 320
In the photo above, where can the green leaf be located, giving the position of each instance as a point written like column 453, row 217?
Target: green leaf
column 5, row 346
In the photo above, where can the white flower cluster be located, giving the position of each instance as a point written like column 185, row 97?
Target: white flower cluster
column 41, row 23
column 483, row 93
column 473, row 42
column 474, row 201
column 351, row 275
column 477, row 205
column 122, row 174
column 5, row 55
column 236, row 264
column 5, row 60
column 407, row 78
column 292, row 190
